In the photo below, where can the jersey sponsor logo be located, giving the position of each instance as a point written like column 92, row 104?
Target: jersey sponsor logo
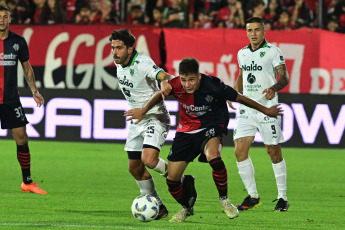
column 195, row 110
column 16, row 47
column 8, row 56
column 251, row 78
column 252, row 67
column 126, row 82
column 126, row 92
column 7, row 63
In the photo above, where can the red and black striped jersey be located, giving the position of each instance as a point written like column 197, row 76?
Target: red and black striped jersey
column 12, row 49
column 206, row 106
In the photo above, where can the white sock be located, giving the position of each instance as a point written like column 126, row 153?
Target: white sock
column 148, row 187
column 161, row 167
column 246, row 171
column 279, row 170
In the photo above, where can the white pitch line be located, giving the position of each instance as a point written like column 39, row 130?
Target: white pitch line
column 77, row 226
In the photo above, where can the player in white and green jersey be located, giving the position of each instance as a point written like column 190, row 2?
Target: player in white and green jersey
column 138, row 79
column 260, row 62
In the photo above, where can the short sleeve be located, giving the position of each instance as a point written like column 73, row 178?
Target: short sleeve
column 277, row 57
column 149, row 68
column 23, row 52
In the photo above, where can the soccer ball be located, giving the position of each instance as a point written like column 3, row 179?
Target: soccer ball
column 145, row 208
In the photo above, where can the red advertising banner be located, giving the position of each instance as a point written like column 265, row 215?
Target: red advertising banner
column 76, row 56
column 314, row 58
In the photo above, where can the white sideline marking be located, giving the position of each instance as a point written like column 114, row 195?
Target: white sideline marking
column 74, row 225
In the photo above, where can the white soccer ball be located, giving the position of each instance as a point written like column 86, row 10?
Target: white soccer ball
column 145, row 208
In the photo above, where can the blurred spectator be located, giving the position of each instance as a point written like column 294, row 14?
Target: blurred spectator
column 221, row 24
column 20, row 12
column 333, row 25
column 52, row 12
column 228, row 13
column 302, row 16
column 272, row 11
column 258, row 9
column 151, row 5
column 96, row 13
column 38, row 9
column 136, row 16
column 70, row 9
column 158, row 16
column 203, row 21
column 109, row 14
column 211, row 6
column 175, row 16
column 83, row 17
column 284, row 21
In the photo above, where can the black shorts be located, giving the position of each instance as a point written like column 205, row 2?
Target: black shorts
column 12, row 116
column 186, row 147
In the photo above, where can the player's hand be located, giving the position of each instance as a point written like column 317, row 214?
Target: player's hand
column 269, row 93
column 274, row 111
column 38, row 99
column 136, row 113
column 165, row 89
column 231, row 105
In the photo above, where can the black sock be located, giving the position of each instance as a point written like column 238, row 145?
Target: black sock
column 220, row 176
column 177, row 191
column 23, row 156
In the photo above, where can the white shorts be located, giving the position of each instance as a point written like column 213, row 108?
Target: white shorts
column 149, row 131
column 248, row 122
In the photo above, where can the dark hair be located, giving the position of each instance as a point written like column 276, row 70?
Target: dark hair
column 3, row 6
column 124, row 35
column 188, row 66
column 256, row 20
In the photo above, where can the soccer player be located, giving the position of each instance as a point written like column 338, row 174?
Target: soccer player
column 13, row 47
column 204, row 118
column 259, row 63
column 138, row 78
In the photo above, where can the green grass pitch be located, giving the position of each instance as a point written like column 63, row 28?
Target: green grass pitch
column 89, row 187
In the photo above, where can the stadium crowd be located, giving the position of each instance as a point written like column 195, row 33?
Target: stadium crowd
column 278, row 14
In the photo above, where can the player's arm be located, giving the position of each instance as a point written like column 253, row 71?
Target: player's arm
column 139, row 113
column 281, row 83
column 273, row 111
column 30, row 79
column 238, row 87
column 165, row 86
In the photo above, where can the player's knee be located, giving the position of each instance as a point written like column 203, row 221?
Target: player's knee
column 240, row 155
column 150, row 162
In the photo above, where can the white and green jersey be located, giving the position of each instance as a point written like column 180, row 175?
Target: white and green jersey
column 138, row 82
column 259, row 73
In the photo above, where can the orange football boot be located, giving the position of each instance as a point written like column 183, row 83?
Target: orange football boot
column 32, row 187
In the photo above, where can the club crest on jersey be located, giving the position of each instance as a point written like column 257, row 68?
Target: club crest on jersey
column 16, row 47
column 131, row 71
column 262, row 54
column 209, row 98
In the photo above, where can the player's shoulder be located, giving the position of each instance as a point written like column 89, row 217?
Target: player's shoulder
column 244, row 49
column 14, row 36
column 271, row 47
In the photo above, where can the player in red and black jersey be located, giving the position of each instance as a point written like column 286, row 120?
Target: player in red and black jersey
column 13, row 48
column 203, row 120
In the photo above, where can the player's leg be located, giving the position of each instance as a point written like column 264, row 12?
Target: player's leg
column 180, row 187
column 144, row 180
column 212, row 151
column 246, row 171
column 244, row 133
column 272, row 136
column 279, row 169
column 13, row 118
column 23, row 155
column 150, row 158
column 155, row 133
